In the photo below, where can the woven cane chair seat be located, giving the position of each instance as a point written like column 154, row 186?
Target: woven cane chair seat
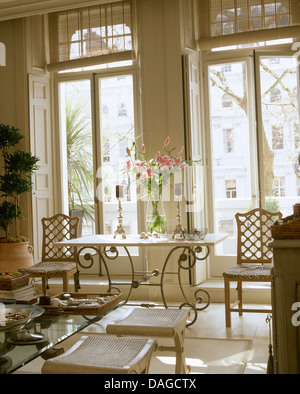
column 103, row 355
column 51, row 268
column 245, row 272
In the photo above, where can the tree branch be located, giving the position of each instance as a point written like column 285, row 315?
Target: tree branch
column 227, row 90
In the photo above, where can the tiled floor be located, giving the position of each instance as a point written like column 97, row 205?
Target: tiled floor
column 211, row 324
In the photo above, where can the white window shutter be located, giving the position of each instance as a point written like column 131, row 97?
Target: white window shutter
column 194, row 138
column 41, row 146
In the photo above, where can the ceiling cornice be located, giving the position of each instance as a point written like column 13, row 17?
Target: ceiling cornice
column 12, row 9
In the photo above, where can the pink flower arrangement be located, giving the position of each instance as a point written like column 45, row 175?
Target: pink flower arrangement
column 154, row 173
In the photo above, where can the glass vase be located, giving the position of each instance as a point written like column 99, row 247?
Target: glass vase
column 156, row 217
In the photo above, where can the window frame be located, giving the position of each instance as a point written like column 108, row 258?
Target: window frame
column 96, row 77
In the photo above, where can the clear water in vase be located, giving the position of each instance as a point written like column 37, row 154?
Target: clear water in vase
column 156, row 221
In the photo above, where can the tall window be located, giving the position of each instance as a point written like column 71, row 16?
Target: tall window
column 93, row 40
column 230, row 151
column 264, row 92
column 275, row 95
column 226, row 68
column 228, row 140
column 279, row 186
column 277, row 137
column 116, row 131
column 275, row 140
column 227, row 101
column 106, row 150
column 230, row 187
column 122, row 111
column 77, row 147
column 95, row 154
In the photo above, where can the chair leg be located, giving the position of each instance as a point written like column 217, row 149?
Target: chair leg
column 227, row 302
column 44, row 286
column 66, row 284
column 240, row 296
column 76, row 282
column 180, row 367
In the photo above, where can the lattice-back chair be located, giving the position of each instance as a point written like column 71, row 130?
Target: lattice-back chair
column 254, row 256
column 57, row 261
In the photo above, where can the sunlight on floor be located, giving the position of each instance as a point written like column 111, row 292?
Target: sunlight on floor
column 192, row 362
column 257, row 368
column 226, row 361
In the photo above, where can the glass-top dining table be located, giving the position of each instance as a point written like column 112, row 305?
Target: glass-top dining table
column 53, row 329
column 186, row 252
column 43, row 335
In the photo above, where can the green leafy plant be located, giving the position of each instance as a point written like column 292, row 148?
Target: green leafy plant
column 272, row 205
column 79, row 159
column 18, row 166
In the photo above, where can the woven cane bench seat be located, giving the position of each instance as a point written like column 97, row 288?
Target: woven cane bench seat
column 259, row 272
column 50, row 267
column 147, row 322
column 103, row 355
column 151, row 322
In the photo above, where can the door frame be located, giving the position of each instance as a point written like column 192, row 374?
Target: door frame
column 218, row 263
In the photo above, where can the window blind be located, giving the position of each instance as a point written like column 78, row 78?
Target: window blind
column 91, row 32
column 233, row 22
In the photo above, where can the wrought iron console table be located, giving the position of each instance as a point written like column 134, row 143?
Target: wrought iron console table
column 106, row 248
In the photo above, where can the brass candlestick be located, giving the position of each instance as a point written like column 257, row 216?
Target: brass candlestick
column 179, row 231
column 120, row 230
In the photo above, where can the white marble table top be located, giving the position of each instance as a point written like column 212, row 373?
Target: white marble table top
column 135, row 240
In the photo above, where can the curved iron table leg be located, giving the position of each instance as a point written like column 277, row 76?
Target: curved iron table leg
column 103, row 255
column 188, row 254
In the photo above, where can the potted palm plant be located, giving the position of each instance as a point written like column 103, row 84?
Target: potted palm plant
column 18, row 166
column 79, row 162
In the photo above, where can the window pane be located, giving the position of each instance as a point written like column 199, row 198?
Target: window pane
column 75, row 115
column 230, row 149
column 280, row 118
column 117, row 133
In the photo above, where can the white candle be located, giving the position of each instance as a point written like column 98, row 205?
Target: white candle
column 119, row 191
column 178, row 189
